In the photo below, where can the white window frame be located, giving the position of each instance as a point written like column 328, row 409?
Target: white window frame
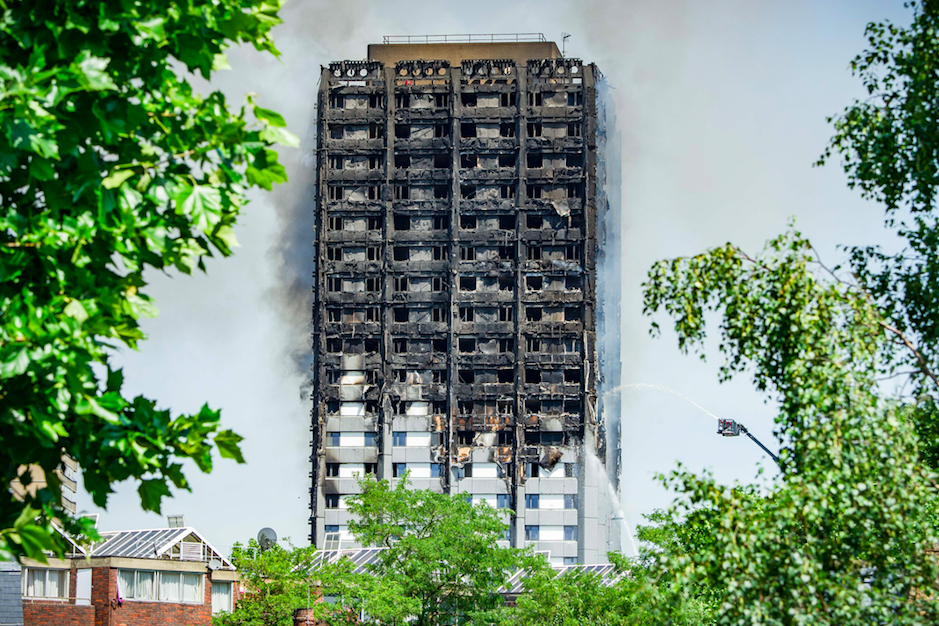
column 45, row 583
column 157, row 578
column 231, row 597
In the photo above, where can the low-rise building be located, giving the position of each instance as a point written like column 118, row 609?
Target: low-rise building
column 165, row 576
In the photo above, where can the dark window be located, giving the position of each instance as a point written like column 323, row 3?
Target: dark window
column 332, row 500
column 441, row 161
column 441, row 192
column 531, row 533
column 573, row 130
column 575, row 160
column 534, row 191
column 506, row 130
column 441, row 100
column 467, row 314
column 402, row 222
column 572, row 376
column 532, row 375
column 467, row 283
column 535, row 161
column 533, row 313
column 534, row 129
column 468, row 161
column 400, row 314
column 401, row 253
column 468, row 99
column 467, row 377
column 402, row 160
column 507, row 160
column 507, row 222
column 399, row 345
column 464, row 437
column 332, row 470
column 467, row 222
column 467, row 129
column 402, row 131
column 402, row 100
column 532, row 500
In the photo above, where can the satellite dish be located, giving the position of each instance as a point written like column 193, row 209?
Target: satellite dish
column 267, row 538
column 215, row 564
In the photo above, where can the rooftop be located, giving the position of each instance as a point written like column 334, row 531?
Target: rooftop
column 518, row 47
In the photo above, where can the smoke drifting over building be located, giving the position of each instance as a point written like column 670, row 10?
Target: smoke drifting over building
column 463, row 209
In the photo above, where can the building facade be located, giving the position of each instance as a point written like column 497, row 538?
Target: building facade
column 167, row 576
column 455, row 317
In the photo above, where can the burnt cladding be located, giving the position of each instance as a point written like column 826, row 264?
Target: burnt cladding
column 454, row 317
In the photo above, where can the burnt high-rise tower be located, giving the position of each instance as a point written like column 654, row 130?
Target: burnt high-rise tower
column 455, row 322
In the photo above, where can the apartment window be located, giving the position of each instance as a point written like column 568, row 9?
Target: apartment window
column 372, row 284
column 401, row 283
column 571, row 314
column 506, row 345
column 469, row 161
column 532, row 500
column 437, row 314
column 335, row 131
column 401, row 253
column 532, row 344
column 332, row 500
column 466, row 345
column 533, row 313
column 503, row 501
column 336, row 162
column 374, row 223
column 402, row 192
column 401, row 222
column 333, row 440
column 506, row 222
column 572, row 376
column 399, row 438
column 337, row 102
column 441, row 130
column 399, row 345
column 535, row 99
column 468, row 99
column 573, row 130
column 506, row 437
column 336, row 192
column 570, row 499
column 575, row 98
column 45, row 583
column 534, row 221
column 398, row 470
column 467, row 471
column 441, row 100
column 531, row 533
column 534, row 129
column 507, row 130
column 375, row 131
column 177, row 587
column 376, row 101
column 402, row 131
column 535, row 161
column 402, row 161
column 467, row 283
column 467, row 192
column 332, row 470
column 335, row 223
column 441, row 192
column 441, row 222
column 467, row 253
column 534, row 283
column 570, row 560
column 570, row 472
column 507, row 160
column 575, row 160
column 573, row 190
column 402, row 100
column 507, row 191
column 534, row 253
column 570, row 533
column 467, row 129
column 374, row 162
column 467, row 314
column 532, row 375
column 441, row 161
column 436, row 470
column 221, row 597
column 466, row 377
column 507, row 99
column 468, row 222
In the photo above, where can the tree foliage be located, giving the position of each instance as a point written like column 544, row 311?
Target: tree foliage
column 276, row 583
column 110, row 164
column 846, row 534
column 439, row 564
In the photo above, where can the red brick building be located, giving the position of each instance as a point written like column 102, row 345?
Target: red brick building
column 165, row 577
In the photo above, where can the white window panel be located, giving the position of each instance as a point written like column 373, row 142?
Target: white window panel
column 352, row 409
column 551, row 533
column 417, row 409
column 352, row 440
column 352, row 378
column 419, row 470
column 417, row 439
column 351, row 470
column 343, row 504
column 485, row 470
column 170, row 587
column 221, row 597
column 552, row 501
column 45, row 583
column 555, row 472
column 488, row 498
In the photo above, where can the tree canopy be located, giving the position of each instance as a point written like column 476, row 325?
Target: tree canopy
column 111, row 164
column 845, row 534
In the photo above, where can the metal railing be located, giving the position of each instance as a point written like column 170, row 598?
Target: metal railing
column 492, row 38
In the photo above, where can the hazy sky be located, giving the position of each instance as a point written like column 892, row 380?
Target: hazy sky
column 721, row 106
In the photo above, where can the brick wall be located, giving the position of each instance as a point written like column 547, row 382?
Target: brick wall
column 42, row 613
column 131, row 613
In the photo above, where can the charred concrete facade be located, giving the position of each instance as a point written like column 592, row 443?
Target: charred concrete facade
column 455, row 297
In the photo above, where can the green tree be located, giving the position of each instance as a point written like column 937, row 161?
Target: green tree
column 846, row 533
column 439, row 563
column 110, row 164
column 276, row 583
